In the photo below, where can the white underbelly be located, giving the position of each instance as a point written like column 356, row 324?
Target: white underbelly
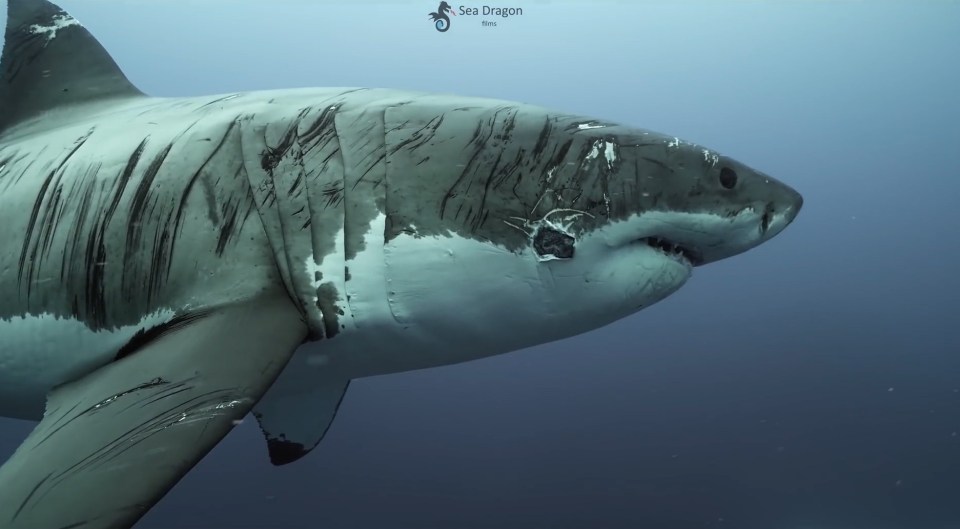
column 40, row 352
column 407, row 309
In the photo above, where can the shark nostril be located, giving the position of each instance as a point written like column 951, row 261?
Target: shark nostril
column 765, row 220
column 767, row 217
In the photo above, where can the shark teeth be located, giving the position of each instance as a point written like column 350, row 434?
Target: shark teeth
column 672, row 249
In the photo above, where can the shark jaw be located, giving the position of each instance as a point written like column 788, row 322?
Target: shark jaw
column 697, row 238
column 422, row 293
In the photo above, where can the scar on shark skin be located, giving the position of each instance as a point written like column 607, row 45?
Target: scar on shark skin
column 551, row 239
column 153, row 383
column 57, row 23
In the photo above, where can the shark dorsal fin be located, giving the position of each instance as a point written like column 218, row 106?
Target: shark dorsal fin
column 50, row 60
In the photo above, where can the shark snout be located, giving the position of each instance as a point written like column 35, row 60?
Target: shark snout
column 781, row 211
column 796, row 202
column 704, row 238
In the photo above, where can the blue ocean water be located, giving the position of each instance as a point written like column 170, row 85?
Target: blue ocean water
column 811, row 383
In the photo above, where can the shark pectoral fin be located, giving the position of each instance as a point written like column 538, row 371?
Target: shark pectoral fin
column 294, row 422
column 115, row 441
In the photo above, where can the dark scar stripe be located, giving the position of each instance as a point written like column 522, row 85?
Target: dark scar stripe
column 145, row 336
column 35, row 214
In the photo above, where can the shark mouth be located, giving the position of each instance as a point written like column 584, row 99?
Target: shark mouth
column 673, row 250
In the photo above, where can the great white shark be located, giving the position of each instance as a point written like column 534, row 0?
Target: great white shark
column 170, row 265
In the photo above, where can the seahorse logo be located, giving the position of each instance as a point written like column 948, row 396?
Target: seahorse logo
column 440, row 19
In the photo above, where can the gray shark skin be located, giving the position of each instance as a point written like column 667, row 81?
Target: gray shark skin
column 173, row 264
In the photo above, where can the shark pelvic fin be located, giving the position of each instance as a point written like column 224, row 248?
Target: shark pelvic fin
column 112, row 443
column 50, row 60
column 294, row 423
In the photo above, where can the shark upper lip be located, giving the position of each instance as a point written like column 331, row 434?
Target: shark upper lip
column 672, row 249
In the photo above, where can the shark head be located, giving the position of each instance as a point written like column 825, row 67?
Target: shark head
column 508, row 225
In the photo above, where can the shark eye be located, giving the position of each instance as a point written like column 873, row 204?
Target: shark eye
column 549, row 242
column 728, row 178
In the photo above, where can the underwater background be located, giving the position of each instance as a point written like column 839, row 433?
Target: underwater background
column 811, row 383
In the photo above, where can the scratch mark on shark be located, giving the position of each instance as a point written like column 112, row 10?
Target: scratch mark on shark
column 58, row 22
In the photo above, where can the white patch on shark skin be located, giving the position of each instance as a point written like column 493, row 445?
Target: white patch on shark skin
column 366, row 307
column 368, row 287
column 39, row 352
column 674, row 143
column 332, row 271
column 589, row 125
column 550, row 172
column 608, row 149
column 609, row 152
column 594, row 151
column 711, row 157
column 312, row 268
column 56, row 24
